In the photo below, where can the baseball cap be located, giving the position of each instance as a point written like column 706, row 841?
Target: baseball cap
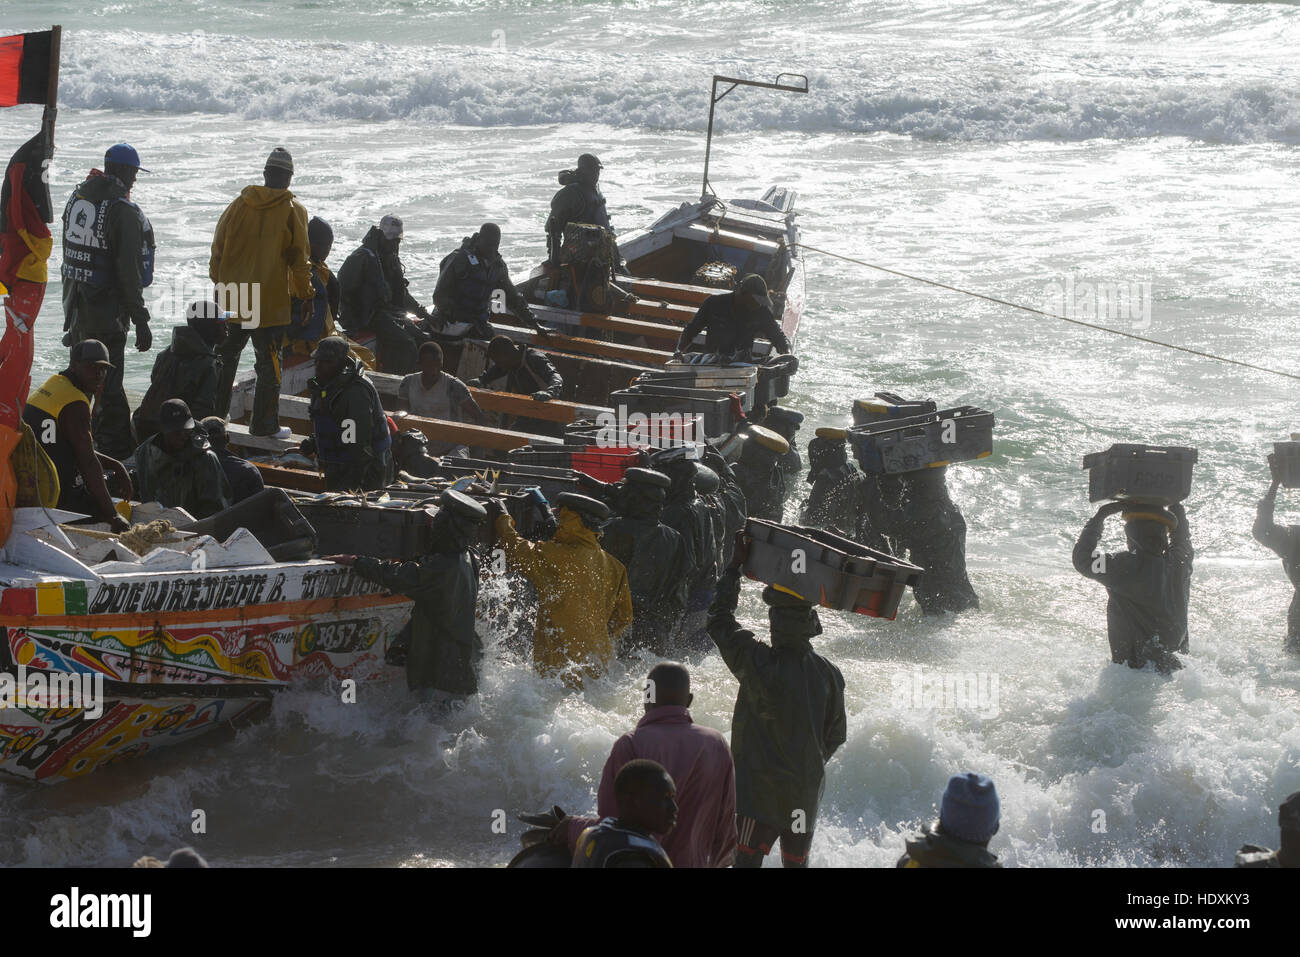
column 91, row 350
column 331, row 347
column 174, row 416
column 280, row 159
column 124, row 154
column 391, row 227
column 753, row 285
column 583, row 504
column 462, row 504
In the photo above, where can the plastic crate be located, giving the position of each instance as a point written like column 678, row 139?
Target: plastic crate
column 1155, row 474
column 880, row 409
column 741, row 379
column 374, row 530
column 714, row 407
column 607, row 465
column 896, row 446
column 1284, row 463
column 827, row 569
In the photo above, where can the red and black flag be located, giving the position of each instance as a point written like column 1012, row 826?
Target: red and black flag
column 25, row 68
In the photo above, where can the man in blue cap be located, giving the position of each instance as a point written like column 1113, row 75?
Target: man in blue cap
column 108, row 253
column 968, row 818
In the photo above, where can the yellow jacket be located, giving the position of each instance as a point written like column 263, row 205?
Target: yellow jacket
column 583, row 600
column 262, row 238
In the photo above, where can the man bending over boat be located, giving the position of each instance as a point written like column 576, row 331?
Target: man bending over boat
column 731, row 321
column 526, row 372
column 444, row 650
column 584, row 604
column 59, row 414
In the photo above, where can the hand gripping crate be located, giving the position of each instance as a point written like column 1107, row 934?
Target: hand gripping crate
column 895, row 446
column 828, row 570
column 1151, row 474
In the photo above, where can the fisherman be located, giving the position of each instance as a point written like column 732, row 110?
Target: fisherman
column 436, row 394
column 719, row 487
column 475, row 282
column 659, row 569
column 647, row 805
column 260, row 258
column 916, row 516
column 789, row 719
column 584, row 604
column 309, row 324
column 731, row 321
column 350, row 436
column 1284, row 541
column 578, row 200
column 785, row 423
column 59, row 415
column 444, row 651
column 1288, row 852
column 698, row 760
column 108, row 257
column 177, row 468
column 187, row 369
column 968, row 818
column 526, row 372
column 244, row 477
column 1148, row 586
column 838, row 487
column 376, row 296
column 699, row 522
column 760, row 474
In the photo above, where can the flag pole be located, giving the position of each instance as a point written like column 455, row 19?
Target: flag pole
column 52, row 89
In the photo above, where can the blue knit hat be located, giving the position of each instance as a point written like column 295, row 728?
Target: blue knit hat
column 970, row 810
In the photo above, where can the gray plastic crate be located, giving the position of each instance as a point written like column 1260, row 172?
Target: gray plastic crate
column 837, row 572
column 1284, row 463
column 895, row 446
column 1152, row 474
column 884, row 407
column 713, row 405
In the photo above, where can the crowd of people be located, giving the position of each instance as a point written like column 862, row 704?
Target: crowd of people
column 649, row 564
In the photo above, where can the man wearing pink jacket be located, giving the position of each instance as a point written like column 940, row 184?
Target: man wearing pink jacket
column 697, row 758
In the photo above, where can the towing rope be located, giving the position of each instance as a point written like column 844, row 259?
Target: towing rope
column 1049, row 315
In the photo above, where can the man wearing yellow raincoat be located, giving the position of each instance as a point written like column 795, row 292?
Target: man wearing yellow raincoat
column 584, row 604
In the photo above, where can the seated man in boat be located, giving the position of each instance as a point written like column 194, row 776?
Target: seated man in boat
column 244, row 477
column 310, row 323
column 350, row 436
column 584, row 604
column 475, row 283
column 436, row 394
column 1148, row 586
column 578, row 200
column 526, row 372
column 731, row 321
column 59, row 414
column 788, row 722
column 444, row 650
column 259, row 260
column 187, row 369
column 177, row 468
column 375, row 296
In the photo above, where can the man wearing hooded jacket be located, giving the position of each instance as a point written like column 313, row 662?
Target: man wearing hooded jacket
column 350, row 436
column 473, row 278
column 260, row 258
column 375, row 295
column 1148, row 586
column 788, row 722
column 444, row 652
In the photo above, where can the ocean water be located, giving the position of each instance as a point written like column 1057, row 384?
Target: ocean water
column 1009, row 148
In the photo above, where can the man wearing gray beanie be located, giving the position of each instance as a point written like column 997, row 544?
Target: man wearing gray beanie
column 968, row 818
